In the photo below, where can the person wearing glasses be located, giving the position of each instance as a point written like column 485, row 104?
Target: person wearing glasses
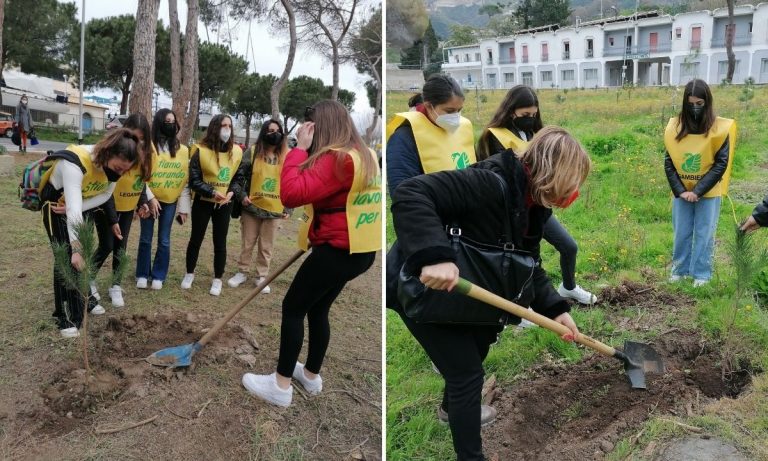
column 698, row 162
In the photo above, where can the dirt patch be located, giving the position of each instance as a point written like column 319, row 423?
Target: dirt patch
column 580, row 411
column 638, row 294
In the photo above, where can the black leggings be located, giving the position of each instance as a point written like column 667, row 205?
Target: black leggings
column 202, row 212
column 108, row 243
column 558, row 237
column 316, row 285
column 458, row 351
column 68, row 303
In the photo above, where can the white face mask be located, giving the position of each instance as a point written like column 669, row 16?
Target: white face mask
column 224, row 134
column 23, row 101
column 449, row 122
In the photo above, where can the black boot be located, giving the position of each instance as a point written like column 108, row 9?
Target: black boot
column 20, row 149
column 25, row 149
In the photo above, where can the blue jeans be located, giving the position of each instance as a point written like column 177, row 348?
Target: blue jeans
column 158, row 270
column 694, row 227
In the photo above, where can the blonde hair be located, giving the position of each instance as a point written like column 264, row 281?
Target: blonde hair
column 335, row 134
column 557, row 163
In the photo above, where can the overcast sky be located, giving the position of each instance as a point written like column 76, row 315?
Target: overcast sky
column 270, row 49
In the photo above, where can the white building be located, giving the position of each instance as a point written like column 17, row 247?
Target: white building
column 645, row 49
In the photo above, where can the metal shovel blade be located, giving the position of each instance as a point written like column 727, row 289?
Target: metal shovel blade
column 178, row 356
column 641, row 358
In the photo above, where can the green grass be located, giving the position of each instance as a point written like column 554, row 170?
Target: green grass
column 622, row 223
column 59, row 134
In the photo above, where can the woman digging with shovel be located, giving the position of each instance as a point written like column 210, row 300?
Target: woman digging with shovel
column 492, row 199
column 336, row 178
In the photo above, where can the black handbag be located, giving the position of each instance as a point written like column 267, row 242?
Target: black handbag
column 502, row 269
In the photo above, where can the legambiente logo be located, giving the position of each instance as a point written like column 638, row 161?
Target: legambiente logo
column 460, row 160
column 138, row 185
column 269, row 185
column 224, row 174
column 691, row 163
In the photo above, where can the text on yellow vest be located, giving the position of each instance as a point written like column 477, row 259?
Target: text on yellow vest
column 169, row 174
column 94, row 180
column 218, row 173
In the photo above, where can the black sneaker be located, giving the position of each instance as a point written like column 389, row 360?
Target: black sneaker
column 487, row 415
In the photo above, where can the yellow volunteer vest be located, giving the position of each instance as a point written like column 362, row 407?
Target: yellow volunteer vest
column 509, row 140
column 128, row 190
column 438, row 149
column 265, row 183
column 363, row 211
column 218, row 174
column 169, row 174
column 94, row 180
column 694, row 155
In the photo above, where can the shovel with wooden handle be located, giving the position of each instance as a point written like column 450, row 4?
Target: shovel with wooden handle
column 181, row 356
column 638, row 358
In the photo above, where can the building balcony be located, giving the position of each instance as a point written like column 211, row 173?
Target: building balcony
column 695, row 45
column 616, row 51
column 525, row 60
column 590, row 54
column 658, row 48
column 738, row 40
column 566, row 55
column 458, row 65
column 507, row 61
column 544, row 57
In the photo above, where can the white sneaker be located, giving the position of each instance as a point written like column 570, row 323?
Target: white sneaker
column 578, row 294
column 237, row 280
column 141, row 282
column 266, row 388
column 157, row 284
column 116, row 294
column 312, row 386
column 699, row 282
column 71, row 332
column 266, row 289
column 186, row 283
column 526, row 323
column 215, row 287
column 675, row 278
column 97, row 310
column 95, row 291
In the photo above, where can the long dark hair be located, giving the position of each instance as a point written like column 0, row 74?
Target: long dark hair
column 211, row 139
column 139, row 122
column 517, row 97
column 686, row 121
column 260, row 146
column 158, row 138
column 121, row 143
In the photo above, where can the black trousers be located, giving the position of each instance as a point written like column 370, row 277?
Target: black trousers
column 316, row 285
column 68, row 304
column 458, row 351
column 108, row 243
column 202, row 212
column 558, row 237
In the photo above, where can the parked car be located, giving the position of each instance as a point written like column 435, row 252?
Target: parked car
column 116, row 122
column 6, row 124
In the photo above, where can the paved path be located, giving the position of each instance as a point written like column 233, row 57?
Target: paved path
column 42, row 147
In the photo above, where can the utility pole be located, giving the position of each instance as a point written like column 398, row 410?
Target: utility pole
column 82, row 73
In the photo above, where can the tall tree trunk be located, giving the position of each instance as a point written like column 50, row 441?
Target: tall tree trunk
column 2, row 21
column 377, row 109
column 126, row 90
column 248, row 119
column 144, row 57
column 336, row 44
column 729, row 35
column 190, row 87
column 277, row 87
column 173, row 14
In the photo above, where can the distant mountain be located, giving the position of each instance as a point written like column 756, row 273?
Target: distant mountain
column 463, row 14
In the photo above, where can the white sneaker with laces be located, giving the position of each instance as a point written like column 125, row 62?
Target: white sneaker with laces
column 186, row 283
column 95, row 291
column 312, row 386
column 141, row 283
column 265, row 387
column 215, row 287
column 237, row 280
column 157, row 284
column 266, row 289
column 699, row 282
column 578, row 294
column 116, row 294
column 71, row 332
column 98, row 309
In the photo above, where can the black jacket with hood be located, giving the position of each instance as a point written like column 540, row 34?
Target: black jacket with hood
column 472, row 198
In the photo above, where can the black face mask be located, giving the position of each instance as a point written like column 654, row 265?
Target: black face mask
column 168, row 129
column 112, row 175
column 696, row 111
column 525, row 124
column 273, row 139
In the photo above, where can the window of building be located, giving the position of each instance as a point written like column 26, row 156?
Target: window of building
column 546, row 76
column 456, row 57
column 590, row 48
column 466, row 57
column 527, row 78
column 750, row 27
column 566, row 50
column 490, row 56
column 678, row 32
column 569, row 75
column 722, row 68
column 544, row 52
column 525, row 53
column 469, row 78
column 689, row 69
column 509, row 77
column 590, row 74
column 610, row 41
column 477, row 56
column 764, row 66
